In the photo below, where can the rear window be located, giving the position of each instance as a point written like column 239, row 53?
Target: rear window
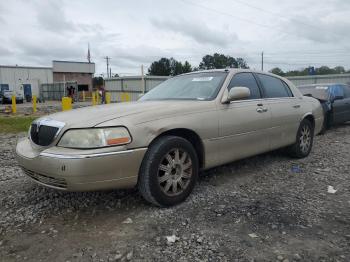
column 274, row 87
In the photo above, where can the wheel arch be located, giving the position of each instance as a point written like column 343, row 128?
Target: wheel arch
column 310, row 117
column 190, row 136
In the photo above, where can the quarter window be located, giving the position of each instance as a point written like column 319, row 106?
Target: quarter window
column 274, row 87
column 246, row 80
column 346, row 91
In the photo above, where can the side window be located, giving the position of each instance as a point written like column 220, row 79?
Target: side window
column 273, row 87
column 288, row 89
column 336, row 90
column 246, row 80
column 346, row 91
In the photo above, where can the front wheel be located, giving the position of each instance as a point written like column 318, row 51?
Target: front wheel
column 304, row 140
column 169, row 171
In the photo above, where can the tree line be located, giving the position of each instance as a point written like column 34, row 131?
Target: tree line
column 323, row 70
column 171, row 67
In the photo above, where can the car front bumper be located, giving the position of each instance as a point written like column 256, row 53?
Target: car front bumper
column 76, row 170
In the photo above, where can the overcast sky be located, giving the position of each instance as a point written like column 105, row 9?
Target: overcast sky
column 292, row 33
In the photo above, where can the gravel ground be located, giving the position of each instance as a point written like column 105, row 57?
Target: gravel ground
column 265, row 208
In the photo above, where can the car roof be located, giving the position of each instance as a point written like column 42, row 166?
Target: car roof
column 235, row 70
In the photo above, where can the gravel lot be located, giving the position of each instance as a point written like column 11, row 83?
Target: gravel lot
column 266, row 208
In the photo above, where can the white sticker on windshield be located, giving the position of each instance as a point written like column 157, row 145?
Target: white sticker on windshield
column 322, row 87
column 202, row 79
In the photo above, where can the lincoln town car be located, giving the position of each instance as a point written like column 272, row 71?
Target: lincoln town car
column 160, row 143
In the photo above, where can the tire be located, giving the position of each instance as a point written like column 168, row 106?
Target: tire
column 170, row 160
column 304, row 140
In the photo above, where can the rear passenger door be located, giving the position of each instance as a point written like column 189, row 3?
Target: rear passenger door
column 285, row 110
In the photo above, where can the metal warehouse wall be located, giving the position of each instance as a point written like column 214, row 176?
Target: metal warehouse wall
column 15, row 77
column 131, row 86
column 319, row 79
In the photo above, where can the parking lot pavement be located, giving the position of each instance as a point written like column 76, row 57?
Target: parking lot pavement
column 46, row 108
column 265, row 208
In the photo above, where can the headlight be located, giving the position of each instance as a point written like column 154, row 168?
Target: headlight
column 95, row 137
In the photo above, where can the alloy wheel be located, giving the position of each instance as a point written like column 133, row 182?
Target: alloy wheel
column 305, row 139
column 174, row 172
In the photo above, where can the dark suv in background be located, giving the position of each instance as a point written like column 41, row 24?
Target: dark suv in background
column 335, row 100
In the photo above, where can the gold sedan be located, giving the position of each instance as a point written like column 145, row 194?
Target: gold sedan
column 160, row 143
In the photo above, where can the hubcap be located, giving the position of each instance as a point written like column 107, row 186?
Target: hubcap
column 174, row 172
column 305, row 139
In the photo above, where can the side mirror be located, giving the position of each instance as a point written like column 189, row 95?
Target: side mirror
column 236, row 93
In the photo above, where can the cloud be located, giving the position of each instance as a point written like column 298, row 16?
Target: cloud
column 199, row 32
column 51, row 16
column 4, row 51
column 320, row 29
column 35, row 32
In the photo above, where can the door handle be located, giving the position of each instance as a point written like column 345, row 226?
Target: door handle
column 296, row 106
column 261, row 110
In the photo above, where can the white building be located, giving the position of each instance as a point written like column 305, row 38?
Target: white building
column 24, row 79
column 27, row 80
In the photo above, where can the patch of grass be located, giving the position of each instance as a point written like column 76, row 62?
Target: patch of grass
column 15, row 124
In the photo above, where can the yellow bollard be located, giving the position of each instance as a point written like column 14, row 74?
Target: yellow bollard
column 125, row 97
column 108, row 97
column 83, row 96
column 93, row 96
column 34, row 103
column 66, row 103
column 98, row 98
column 14, row 106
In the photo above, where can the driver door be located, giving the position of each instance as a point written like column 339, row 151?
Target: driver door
column 244, row 124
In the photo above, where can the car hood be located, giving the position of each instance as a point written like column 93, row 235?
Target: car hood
column 136, row 112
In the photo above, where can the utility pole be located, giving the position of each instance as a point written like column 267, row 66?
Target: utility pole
column 142, row 80
column 107, row 62
column 262, row 61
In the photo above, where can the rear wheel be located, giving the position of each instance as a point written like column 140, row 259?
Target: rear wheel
column 168, row 172
column 304, row 140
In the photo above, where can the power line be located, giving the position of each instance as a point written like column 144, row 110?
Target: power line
column 236, row 17
column 248, row 20
column 273, row 13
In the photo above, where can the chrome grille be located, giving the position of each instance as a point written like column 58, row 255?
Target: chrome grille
column 43, row 135
column 47, row 180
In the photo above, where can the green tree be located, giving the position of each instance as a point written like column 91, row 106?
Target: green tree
column 218, row 61
column 160, row 68
column 242, row 63
column 277, row 71
column 176, row 67
column 97, row 81
column 339, row 70
column 324, row 70
column 186, row 68
column 169, row 66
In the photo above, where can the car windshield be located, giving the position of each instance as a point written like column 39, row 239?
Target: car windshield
column 197, row 86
